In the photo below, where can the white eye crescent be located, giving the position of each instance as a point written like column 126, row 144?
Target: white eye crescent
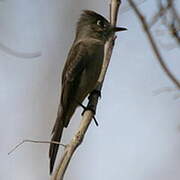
column 100, row 23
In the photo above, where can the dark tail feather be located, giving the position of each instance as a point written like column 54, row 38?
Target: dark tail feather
column 57, row 133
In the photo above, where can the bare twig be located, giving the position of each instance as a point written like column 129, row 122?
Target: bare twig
column 174, row 32
column 19, row 54
column 174, row 11
column 93, row 100
column 173, row 25
column 34, row 141
column 127, row 8
column 153, row 44
column 161, row 11
column 165, row 89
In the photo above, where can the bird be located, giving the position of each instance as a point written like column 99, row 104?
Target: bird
column 81, row 70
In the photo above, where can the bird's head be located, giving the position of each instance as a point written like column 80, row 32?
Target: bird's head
column 92, row 24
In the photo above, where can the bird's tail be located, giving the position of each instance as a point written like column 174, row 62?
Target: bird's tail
column 56, row 136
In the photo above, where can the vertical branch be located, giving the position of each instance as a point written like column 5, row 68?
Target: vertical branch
column 114, row 9
column 93, row 100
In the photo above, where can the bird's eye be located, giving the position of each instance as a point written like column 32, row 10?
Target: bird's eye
column 100, row 23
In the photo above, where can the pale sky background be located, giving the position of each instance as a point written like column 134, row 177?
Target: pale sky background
column 139, row 134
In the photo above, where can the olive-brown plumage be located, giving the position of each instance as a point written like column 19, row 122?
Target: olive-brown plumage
column 81, row 71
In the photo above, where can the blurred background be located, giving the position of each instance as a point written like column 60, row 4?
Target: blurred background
column 138, row 137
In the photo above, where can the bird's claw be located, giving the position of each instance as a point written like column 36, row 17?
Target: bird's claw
column 98, row 92
column 91, row 108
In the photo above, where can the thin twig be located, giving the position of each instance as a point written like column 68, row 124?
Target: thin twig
column 93, row 100
column 174, row 24
column 165, row 89
column 153, row 44
column 174, row 11
column 19, row 54
column 34, row 141
column 161, row 11
column 127, row 8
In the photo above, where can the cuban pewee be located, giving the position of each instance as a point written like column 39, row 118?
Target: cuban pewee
column 81, row 71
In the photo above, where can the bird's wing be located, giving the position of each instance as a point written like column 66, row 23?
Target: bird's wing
column 75, row 65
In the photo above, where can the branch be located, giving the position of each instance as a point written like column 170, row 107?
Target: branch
column 174, row 11
column 176, row 20
column 161, row 11
column 153, row 44
column 33, row 141
column 93, row 100
column 19, row 54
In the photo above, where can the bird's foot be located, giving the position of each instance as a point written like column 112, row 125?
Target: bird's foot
column 91, row 108
column 98, row 92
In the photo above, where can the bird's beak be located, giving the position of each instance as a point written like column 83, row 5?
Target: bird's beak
column 116, row 29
